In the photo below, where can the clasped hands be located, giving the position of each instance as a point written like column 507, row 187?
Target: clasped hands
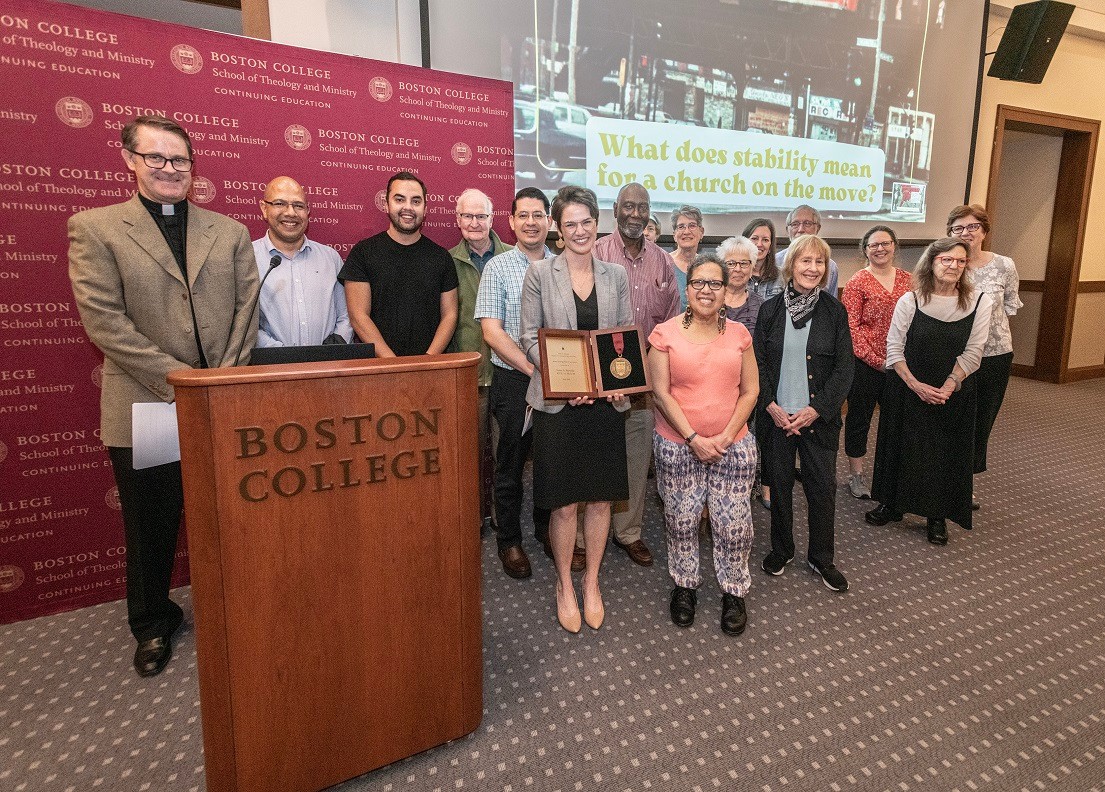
column 792, row 424
column 930, row 395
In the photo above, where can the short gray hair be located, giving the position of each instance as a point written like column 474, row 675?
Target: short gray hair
column 738, row 244
column 799, row 208
column 472, row 192
column 692, row 212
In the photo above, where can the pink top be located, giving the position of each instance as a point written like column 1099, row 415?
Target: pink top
column 870, row 308
column 704, row 379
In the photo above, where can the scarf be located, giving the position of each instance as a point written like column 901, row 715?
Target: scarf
column 799, row 306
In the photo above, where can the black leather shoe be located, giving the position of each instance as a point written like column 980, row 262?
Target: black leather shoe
column 938, row 531
column 515, row 562
column 683, row 601
column 734, row 618
column 881, row 515
column 151, row 657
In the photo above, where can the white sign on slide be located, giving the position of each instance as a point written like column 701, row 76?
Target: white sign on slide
column 730, row 169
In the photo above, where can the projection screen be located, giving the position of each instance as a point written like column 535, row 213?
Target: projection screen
column 862, row 108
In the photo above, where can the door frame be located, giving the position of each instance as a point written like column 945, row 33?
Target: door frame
column 1068, row 227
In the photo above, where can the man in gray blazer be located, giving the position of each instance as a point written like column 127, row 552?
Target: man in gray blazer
column 161, row 285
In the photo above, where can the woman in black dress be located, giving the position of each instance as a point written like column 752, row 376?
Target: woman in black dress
column 579, row 444
column 923, row 456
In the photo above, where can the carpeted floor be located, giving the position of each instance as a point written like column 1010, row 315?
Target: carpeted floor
column 977, row 666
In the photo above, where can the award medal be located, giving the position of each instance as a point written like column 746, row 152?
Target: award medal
column 619, row 366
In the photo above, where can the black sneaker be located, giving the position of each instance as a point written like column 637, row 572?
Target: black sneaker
column 882, row 514
column 831, row 576
column 773, row 563
column 683, row 601
column 734, row 617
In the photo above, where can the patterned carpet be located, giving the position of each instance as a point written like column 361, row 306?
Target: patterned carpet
column 977, row 666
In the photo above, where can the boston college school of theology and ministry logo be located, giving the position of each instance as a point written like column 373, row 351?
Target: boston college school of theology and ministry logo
column 379, row 89
column 382, row 201
column 73, row 111
column 187, row 59
column 462, row 153
column 297, row 137
column 203, row 190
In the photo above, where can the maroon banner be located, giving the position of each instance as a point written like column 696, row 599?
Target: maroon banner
column 72, row 78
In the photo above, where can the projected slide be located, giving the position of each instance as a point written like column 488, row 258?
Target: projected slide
column 745, row 106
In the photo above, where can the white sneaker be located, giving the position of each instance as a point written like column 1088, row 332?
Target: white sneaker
column 857, row 487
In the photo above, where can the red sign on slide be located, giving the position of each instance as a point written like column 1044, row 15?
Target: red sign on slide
column 72, row 78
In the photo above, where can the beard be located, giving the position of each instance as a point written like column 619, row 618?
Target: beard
column 403, row 227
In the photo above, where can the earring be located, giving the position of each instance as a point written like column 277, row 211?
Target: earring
column 721, row 320
column 559, row 243
column 687, row 316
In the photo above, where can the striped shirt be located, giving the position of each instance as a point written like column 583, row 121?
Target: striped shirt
column 500, row 294
column 652, row 289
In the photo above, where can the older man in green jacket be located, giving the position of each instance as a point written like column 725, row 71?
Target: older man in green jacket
column 479, row 243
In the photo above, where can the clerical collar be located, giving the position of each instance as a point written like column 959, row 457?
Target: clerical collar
column 167, row 210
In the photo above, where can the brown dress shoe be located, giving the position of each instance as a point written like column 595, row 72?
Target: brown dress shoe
column 579, row 560
column 638, row 551
column 515, row 562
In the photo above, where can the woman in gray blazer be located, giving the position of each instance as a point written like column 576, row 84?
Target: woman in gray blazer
column 579, row 444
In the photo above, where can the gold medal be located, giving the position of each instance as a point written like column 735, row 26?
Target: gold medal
column 620, row 367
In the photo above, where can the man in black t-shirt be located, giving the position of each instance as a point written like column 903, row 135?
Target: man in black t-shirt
column 401, row 288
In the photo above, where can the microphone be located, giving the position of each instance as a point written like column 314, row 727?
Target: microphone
column 274, row 262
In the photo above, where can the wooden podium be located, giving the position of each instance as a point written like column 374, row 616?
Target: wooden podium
column 333, row 532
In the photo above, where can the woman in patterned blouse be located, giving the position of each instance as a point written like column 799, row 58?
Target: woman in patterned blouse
column 995, row 275
column 869, row 296
column 741, row 304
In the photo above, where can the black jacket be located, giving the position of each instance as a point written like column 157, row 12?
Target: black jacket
column 830, row 362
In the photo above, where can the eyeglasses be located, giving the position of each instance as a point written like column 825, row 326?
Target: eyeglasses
column 279, row 205
column 952, row 261
column 804, row 224
column 468, row 217
column 570, row 226
column 698, row 284
column 158, row 161
column 744, row 264
column 879, row 245
column 524, row 216
column 960, row 229
column 687, row 226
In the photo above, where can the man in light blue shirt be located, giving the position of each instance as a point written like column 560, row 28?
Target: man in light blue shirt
column 301, row 302
column 499, row 313
column 804, row 219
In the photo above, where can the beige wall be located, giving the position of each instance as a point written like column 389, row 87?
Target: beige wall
column 1072, row 88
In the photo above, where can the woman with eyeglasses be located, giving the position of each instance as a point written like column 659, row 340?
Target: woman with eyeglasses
column 869, row 297
column 995, row 275
column 578, row 444
column 804, row 352
column 764, row 280
column 704, row 453
column 652, row 229
column 923, row 460
column 687, row 229
column 741, row 304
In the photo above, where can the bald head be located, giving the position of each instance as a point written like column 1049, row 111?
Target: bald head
column 286, row 210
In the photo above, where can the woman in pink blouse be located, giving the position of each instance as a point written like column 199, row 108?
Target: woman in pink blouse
column 703, row 451
column 869, row 296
